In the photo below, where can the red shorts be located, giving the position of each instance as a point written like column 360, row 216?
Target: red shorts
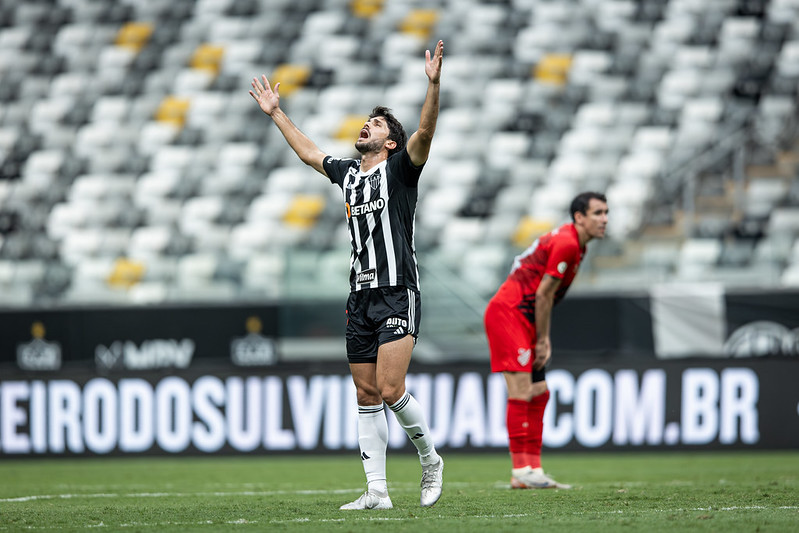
column 511, row 337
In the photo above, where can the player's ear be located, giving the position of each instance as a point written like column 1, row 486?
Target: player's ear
column 390, row 144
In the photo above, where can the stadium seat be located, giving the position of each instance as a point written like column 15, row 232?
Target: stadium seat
column 196, row 269
column 149, row 241
column 459, row 233
column 249, row 238
column 264, row 273
column 439, row 205
column 656, row 138
column 790, row 276
column 697, row 257
column 552, row 202
column 596, row 114
column 63, row 218
column 774, row 249
column 148, row 293
column 569, row 168
column 784, row 221
column 677, row 87
column 333, row 272
column 460, row 173
column 660, row 254
column 79, row 244
column 482, row 266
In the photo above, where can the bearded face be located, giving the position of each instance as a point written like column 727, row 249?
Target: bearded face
column 368, row 146
column 373, row 136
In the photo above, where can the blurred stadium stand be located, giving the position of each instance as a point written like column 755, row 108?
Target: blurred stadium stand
column 135, row 168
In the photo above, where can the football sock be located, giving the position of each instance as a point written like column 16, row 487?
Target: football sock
column 535, row 419
column 410, row 416
column 518, row 432
column 373, row 440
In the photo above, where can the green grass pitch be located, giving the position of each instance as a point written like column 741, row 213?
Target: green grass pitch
column 676, row 491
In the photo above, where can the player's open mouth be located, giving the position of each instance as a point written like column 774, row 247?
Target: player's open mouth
column 364, row 134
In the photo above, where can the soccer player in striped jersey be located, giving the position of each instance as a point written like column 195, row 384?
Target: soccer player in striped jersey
column 517, row 322
column 383, row 308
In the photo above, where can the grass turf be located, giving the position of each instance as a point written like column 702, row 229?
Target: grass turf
column 697, row 491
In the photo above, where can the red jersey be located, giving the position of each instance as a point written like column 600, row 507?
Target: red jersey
column 557, row 253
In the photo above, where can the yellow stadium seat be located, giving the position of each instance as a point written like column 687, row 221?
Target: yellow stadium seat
column 350, row 127
column 366, row 8
column 419, row 22
column 304, row 210
column 173, row 110
column 553, row 69
column 290, row 77
column 126, row 273
column 253, row 325
column 134, row 35
column 528, row 230
column 207, row 57
column 37, row 330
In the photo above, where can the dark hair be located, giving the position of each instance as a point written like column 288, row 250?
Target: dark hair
column 581, row 201
column 396, row 132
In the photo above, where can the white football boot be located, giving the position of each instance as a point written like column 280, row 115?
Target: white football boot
column 534, row 478
column 369, row 500
column 432, row 483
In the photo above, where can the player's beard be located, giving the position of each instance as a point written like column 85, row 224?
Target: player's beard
column 366, row 147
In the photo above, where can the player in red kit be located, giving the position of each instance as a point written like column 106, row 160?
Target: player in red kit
column 517, row 322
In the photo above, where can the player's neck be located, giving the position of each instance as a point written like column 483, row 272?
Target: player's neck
column 582, row 236
column 371, row 160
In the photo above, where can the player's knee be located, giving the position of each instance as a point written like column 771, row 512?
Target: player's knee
column 368, row 396
column 391, row 393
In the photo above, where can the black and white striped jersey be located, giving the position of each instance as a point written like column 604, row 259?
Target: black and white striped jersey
column 381, row 205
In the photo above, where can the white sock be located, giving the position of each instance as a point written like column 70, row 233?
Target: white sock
column 372, row 440
column 378, row 487
column 410, row 417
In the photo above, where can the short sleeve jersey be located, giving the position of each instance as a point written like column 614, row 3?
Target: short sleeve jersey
column 381, row 206
column 557, row 253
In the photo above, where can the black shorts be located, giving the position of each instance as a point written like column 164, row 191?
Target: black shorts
column 378, row 316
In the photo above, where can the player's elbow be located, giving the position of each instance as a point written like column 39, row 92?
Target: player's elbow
column 544, row 298
column 312, row 158
column 419, row 149
column 425, row 135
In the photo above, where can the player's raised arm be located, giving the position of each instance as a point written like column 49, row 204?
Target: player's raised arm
column 269, row 101
column 419, row 143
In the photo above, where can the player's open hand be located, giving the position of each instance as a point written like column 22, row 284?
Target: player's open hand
column 267, row 99
column 543, row 352
column 432, row 66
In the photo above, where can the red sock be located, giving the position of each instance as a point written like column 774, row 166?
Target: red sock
column 518, row 431
column 535, row 420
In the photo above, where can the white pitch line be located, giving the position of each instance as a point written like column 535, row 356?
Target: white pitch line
column 306, row 492
column 174, row 494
